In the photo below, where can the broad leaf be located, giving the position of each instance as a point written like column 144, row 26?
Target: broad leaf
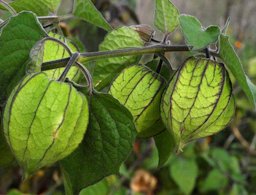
column 106, row 145
column 232, row 61
column 85, row 10
column 195, row 34
column 106, row 69
column 184, row 172
column 166, row 16
column 6, row 156
column 215, row 180
column 99, row 188
column 165, row 144
column 39, row 7
column 16, row 40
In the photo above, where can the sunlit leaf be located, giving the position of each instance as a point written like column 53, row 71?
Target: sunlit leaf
column 106, row 69
column 195, row 34
column 166, row 16
column 232, row 61
column 39, row 7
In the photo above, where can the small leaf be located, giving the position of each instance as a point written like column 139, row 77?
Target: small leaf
column 238, row 189
column 106, row 145
column 195, row 34
column 232, row 61
column 165, row 144
column 106, row 69
column 16, row 40
column 39, row 7
column 184, row 172
column 166, row 16
column 85, row 10
column 215, row 180
column 99, row 188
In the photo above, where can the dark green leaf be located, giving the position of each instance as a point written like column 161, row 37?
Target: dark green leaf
column 39, row 7
column 195, row 34
column 6, row 157
column 232, row 61
column 166, row 16
column 85, row 10
column 184, row 172
column 106, row 69
column 106, row 145
column 16, row 40
column 165, row 144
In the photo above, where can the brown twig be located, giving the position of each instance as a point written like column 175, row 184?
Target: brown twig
column 246, row 145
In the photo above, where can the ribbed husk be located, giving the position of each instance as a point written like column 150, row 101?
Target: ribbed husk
column 44, row 121
column 140, row 91
column 198, row 101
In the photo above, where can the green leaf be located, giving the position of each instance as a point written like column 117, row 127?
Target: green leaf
column 166, row 16
column 85, row 10
column 184, row 172
column 151, row 162
column 233, row 63
column 195, row 34
column 16, row 40
column 39, row 7
column 106, row 145
column 106, row 69
column 215, row 180
column 14, row 192
column 238, row 189
column 165, row 144
column 6, row 155
column 99, row 188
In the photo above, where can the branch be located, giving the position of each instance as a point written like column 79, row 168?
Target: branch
column 54, row 18
column 8, row 7
column 134, row 51
column 246, row 145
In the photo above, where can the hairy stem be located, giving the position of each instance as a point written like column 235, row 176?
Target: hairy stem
column 8, row 7
column 92, row 56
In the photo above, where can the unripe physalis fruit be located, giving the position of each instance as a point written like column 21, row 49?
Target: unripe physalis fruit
column 140, row 90
column 54, row 51
column 44, row 121
column 198, row 101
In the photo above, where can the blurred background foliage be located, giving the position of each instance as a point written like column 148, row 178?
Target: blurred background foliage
column 221, row 164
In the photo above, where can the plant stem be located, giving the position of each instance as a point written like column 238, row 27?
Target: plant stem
column 8, row 7
column 92, row 56
column 71, row 61
column 87, row 76
column 158, row 48
column 57, row 18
